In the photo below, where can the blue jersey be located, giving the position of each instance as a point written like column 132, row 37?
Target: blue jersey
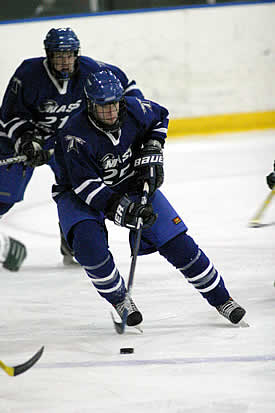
column 94, row 164
column 35, row 99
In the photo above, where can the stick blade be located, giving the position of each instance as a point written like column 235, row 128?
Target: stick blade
column 21, row 368
column 257, row 224
column 120, row 326
column 254, row 223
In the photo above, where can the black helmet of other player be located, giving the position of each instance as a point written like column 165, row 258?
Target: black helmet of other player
column 105, row 100
column 62, row 48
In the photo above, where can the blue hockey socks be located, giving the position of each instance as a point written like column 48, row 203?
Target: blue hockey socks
column 183, row 253
column 91, row 251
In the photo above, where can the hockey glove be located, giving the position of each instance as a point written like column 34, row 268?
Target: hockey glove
column 126, row 213
column 30, row 145
column 149, row 166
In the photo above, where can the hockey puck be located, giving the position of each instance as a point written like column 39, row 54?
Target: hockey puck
column 126, row 350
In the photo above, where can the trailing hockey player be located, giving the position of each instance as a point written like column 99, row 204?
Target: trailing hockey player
column 12, row 251
column 41, row 97
column 104, row 155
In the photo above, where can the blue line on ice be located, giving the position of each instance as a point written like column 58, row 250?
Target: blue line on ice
column 156, row 362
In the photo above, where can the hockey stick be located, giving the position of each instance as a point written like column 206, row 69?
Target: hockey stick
column 255, row 221
column 19, row 158
column 21, row 368
column 120, row 326
column 13, row 159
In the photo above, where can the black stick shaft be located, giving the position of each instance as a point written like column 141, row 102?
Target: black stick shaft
column 120, row 327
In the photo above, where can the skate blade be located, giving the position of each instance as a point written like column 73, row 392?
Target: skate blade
column 243, row 324
column 69, row 260
column 138, row 327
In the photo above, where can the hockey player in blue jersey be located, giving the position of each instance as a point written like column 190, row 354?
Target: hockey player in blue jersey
column 42, row 95
column 104, row 155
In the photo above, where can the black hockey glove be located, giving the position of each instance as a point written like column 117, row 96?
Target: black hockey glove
column 126, row 213
column 270, row 179
column 30, row 145
column 149, row 166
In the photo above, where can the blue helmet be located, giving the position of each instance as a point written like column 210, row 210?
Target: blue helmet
column 61, row 40
column 102, row 88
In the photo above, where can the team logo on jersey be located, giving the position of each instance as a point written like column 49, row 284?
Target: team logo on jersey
column 16, row 84
column 49, row 106
column 176, row 220
column 109, row 161
column 74, row 141
column 145, row 105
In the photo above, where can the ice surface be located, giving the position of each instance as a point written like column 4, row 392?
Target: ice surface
column 188, row 359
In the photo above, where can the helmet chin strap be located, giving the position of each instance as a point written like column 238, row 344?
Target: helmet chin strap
column 61, row 76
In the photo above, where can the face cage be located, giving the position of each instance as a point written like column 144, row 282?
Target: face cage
column 108, row 128
column 62, row 75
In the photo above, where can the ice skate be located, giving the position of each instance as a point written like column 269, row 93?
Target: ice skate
column 232, row 311
column 16, row 254
column 68, row 258
column 66, row 251
column 134, row 315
